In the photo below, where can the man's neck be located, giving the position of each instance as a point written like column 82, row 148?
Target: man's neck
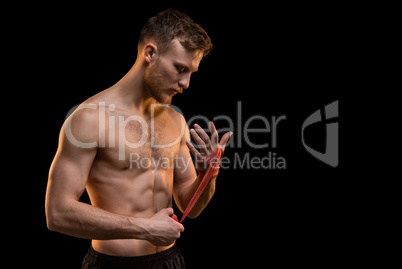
column 131, row 90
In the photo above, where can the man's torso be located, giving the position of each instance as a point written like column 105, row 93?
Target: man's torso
column 133, row 171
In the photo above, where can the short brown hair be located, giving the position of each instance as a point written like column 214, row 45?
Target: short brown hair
column 170, row 24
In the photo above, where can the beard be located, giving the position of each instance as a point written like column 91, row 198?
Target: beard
column 156, row 86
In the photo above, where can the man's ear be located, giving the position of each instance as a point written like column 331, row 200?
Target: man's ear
column 150, row 52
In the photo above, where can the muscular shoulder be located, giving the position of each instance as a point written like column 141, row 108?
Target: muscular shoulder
column 81, row 128
column 180, row 123
column 176, row 116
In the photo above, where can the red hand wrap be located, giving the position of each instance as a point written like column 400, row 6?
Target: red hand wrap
column 174, row 217
column 213, row 162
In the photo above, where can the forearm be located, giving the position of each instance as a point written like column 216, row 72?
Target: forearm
column 89, row 222
column 194, row 195
column 204, row 199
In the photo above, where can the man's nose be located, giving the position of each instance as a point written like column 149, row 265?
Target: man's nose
column 185, row 82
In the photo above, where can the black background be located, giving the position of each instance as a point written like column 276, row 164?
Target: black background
column 288, row 60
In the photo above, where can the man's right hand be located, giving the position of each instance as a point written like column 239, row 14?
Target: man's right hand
column 164, row 230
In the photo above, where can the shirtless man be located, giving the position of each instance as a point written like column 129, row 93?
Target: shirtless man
column 132, row 154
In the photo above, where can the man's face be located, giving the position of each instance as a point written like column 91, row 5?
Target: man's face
column 171, row 72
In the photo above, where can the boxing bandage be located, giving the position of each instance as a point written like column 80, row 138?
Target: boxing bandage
column 174, row 217
column 213, row 161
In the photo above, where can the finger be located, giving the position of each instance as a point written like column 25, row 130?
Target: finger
column 202, row 134
column 181, row 227
column 200, row 143
column 169, row 211
column 214, row 134
column 193, row 150
column 225, row 139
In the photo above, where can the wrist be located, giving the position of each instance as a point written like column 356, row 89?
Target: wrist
column 140, row 228
column 201, row 174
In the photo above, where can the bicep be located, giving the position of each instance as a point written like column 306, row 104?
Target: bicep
column 70, row 168
column 68, row 175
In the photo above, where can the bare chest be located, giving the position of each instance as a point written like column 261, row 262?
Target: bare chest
column 134, row 143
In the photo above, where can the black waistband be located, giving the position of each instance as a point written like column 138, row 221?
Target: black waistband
column 101, row 258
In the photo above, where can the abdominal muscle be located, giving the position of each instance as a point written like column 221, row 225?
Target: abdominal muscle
column 130, row 192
